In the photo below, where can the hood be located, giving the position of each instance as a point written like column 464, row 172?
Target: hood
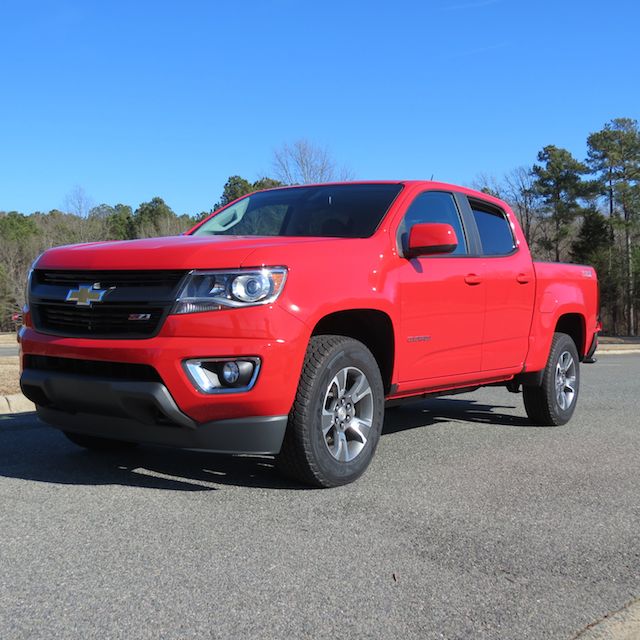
column 174, row 252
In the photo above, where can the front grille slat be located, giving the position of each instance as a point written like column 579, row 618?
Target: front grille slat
column 111, row 278
column 130, row 293
column 98, row 320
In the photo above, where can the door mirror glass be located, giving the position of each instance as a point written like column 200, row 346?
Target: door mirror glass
column 430, row 238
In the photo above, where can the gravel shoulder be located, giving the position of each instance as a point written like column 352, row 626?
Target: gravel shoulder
column 9, row 375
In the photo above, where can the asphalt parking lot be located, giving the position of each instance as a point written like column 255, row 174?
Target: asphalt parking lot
column 471, row 523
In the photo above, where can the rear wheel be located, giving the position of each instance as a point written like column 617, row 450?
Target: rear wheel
column 554, row 401
column 336, row 419
column 94, row 443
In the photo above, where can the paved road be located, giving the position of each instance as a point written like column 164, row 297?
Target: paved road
column 11, row 350
column 471, row 524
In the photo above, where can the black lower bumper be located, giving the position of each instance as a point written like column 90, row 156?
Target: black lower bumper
column 142, row 412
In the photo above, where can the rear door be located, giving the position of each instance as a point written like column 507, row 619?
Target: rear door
column 509, row 281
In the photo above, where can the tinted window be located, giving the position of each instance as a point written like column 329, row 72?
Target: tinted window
column 433, row 206
column 495, row 231
column 341, row 211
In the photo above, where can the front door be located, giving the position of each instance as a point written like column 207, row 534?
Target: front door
column 442, row 302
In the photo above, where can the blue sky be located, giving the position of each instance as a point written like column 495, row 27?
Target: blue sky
column 133, row 99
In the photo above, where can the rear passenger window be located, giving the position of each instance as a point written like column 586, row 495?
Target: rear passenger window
column 433, row 206
column 494, row 229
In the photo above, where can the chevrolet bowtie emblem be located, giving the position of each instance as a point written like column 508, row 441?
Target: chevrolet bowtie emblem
column 86, row 294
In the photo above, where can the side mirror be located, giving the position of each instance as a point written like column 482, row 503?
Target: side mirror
column 431, row 237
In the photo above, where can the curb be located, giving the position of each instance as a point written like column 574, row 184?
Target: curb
column 615, row 352
column 623, row 624
column 15, row 403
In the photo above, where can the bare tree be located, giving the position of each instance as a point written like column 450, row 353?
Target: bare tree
column 517, row 188
column 16, row 259
column 488, row 184
column 304, row 163
column 521, row 194
column 166, row 226
column 78, row 202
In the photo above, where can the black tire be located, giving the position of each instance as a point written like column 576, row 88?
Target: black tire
column 307, row 454
column 542, row 403
column 94, row 443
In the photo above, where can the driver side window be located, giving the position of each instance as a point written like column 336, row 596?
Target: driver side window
column 433, row 206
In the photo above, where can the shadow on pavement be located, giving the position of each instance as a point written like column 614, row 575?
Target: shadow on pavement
column 30, row 450
column 436, row 410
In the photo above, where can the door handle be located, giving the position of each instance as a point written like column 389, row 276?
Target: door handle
column 523, row 278
column 472, row 279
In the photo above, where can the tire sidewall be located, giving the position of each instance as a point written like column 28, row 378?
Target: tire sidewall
column 350, row 354
column 562, row 344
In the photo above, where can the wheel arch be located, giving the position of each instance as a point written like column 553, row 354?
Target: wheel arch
column 569, row 319
column 574, row 325
column 372, row 327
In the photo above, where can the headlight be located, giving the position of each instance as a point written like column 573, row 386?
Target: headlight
column 27, row 291
column 252, row 287
column 214, row 290
column 29, row 277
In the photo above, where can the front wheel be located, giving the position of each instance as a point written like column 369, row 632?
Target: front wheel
column 336, row 419
column 554, row 401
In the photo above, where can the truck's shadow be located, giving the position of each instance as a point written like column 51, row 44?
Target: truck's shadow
column 434, row 410
column 31, row 451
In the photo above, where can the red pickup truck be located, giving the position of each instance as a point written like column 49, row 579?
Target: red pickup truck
column 283, row 322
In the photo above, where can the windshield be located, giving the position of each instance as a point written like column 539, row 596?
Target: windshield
column 338, row 211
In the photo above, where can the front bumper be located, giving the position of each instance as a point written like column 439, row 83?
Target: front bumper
column 269, row 333
column 142, row 412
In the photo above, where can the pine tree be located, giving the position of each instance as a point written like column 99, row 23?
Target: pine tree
column 614, row 157
column 559, row 183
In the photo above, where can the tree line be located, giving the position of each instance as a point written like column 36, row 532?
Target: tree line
column 24, row 237
column 585, row 211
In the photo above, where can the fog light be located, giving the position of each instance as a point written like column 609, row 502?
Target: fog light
column 222, row 375
column 230, row 372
